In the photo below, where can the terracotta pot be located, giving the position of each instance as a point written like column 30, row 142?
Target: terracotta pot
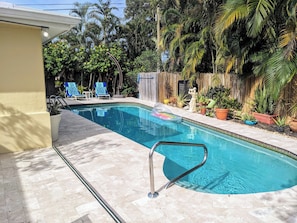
column 222, row 113
column 264, row 118
column 203, row 111
column 293, row 125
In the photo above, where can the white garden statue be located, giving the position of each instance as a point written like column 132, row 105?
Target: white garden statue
column 193, row 93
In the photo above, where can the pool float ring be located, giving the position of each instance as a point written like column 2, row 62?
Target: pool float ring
column 163, row 113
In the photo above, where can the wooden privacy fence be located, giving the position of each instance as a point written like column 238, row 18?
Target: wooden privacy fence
column 148, row 86
column 152, row 86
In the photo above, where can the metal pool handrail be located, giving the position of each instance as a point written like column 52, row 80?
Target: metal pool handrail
column 60, row 100
column 153, row 193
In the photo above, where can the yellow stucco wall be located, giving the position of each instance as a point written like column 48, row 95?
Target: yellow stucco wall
column 24, row 120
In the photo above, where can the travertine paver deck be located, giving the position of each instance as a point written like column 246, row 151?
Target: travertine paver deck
column 36, row 186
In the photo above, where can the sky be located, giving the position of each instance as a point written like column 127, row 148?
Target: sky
column 58, row 6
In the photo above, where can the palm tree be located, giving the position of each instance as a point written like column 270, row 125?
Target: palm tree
column 189, row 37
column 172, row 32
column 266, row 39
column 140, row 29
column 107, row 22
column 80, row 40
column 80, row 35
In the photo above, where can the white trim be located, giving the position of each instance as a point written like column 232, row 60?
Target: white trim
column 56, row 23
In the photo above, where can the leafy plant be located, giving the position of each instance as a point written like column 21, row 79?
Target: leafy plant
column 81, row 88
column 247, row 116
column 128, row 90
column 130, row 86
column 222, row 97
column 234, row 104
column 146, row 62
column 203, row 100
column 181, row 100
column 57, row 57
column 264, row 102
column 280, row 121
column 222, row 100
column 54, row 108
column 216, row 91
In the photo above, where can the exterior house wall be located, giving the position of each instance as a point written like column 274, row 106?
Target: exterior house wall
column 24, row 120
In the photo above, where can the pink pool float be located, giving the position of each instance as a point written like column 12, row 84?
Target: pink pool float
column 161, row 112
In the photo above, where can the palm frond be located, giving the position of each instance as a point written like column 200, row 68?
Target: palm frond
column 260, row 11
column 288, row 38
column 229, row 13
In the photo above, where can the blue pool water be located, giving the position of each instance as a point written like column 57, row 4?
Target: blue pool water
column 233, row 166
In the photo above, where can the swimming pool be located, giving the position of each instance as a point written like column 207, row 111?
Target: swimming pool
column 234, row 166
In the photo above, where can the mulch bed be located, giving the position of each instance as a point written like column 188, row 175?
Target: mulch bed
column 272, row 128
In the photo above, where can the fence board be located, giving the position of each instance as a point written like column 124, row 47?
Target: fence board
column 148, row 86
column 173, row 79
column 242, row 89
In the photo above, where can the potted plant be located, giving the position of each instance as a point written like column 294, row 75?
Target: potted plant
column 219, row 95
column 248, row 119
column 181, row 100
column 264, row 106
column 55, row 118
column 280, row 123
column 203, row 102
column 222, row 105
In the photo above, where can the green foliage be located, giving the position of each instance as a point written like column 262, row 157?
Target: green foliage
column 203, row 100
column 221, row 95
column 245, row 37
column 181, row 99
column 57, row 58
column 264, row 102
column 234, row 104
column 81, row 35
column 129, row 90
column 280, row 121
column 216, row 91
column 146, row 62
column 140, row 29
column 105, row 20
column 81, row 88
column 54, row 108
column 130, row 86
column 99, row 61
column 247, row 116
column 258, row 36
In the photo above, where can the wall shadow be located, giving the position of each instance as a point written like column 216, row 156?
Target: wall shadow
column 22, row 129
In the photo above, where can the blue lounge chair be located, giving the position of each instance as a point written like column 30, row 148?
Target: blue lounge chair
column 101, row 90
column 72, row 91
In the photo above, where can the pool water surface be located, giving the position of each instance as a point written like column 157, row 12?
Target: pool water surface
column 233, row 166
